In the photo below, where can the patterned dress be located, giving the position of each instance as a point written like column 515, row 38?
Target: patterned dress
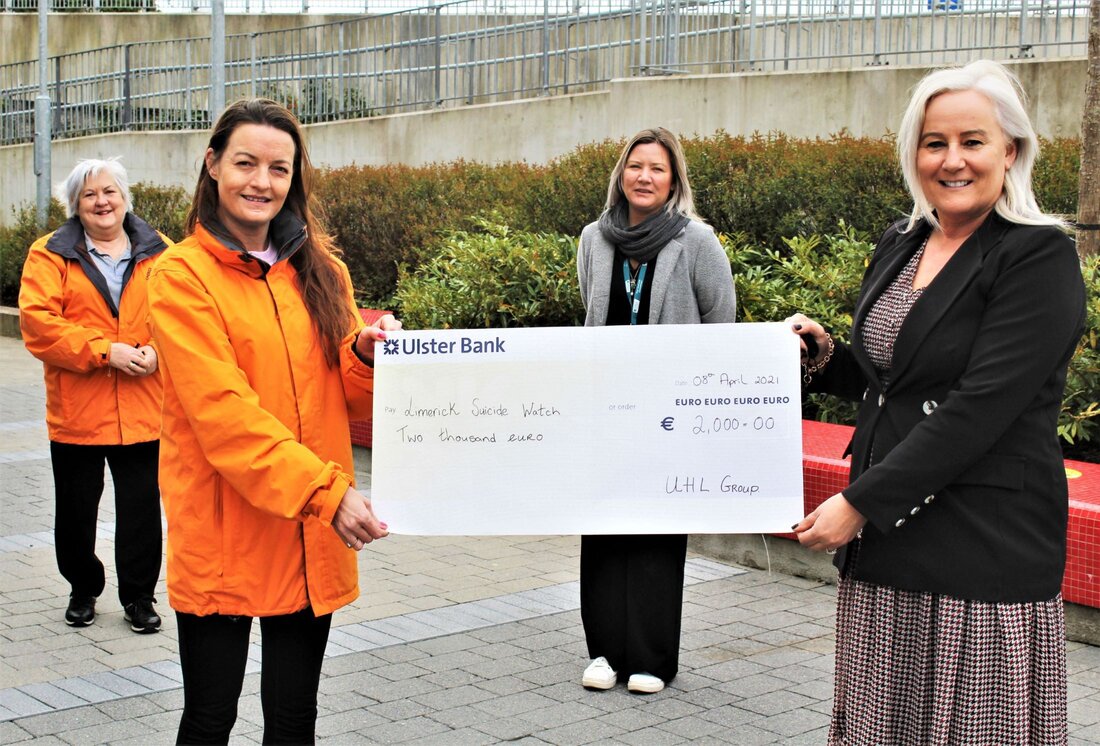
column 928, row 669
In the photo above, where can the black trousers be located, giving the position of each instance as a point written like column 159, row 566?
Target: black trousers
column 78, row 483
column 213, row 654
column 632, row 594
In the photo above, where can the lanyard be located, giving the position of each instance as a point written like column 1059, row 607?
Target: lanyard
column 634, row 295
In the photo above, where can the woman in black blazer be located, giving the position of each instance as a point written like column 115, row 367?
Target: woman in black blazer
column 951, row 536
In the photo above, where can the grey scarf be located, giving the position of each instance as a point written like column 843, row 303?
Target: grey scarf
column 645, row 240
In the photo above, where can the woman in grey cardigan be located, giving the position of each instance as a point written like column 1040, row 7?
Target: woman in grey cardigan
column 648, row 259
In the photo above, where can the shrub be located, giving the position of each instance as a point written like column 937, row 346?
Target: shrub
column 15, row 240
column 569, row 192
column 386, row 216
column 493, row 277
column 1079, row 424
column 164, row 208
column 817, row 275
column 776, row 186
column 1056, row 175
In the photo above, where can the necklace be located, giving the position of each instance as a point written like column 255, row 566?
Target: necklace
column 634, row 279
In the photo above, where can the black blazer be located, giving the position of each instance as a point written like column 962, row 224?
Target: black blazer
column 956, row 462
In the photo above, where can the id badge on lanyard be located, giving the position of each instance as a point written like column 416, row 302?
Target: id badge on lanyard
column 634, row 294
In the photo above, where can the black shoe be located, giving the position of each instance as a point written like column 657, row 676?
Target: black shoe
column 141, row 615
column 81, row 611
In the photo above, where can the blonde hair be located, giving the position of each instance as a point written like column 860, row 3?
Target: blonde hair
column 679, row 199
column 1017, row 202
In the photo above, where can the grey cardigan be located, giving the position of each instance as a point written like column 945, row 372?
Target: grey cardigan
column 692, row 283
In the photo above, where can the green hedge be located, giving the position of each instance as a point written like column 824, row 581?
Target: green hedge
column 494, row 277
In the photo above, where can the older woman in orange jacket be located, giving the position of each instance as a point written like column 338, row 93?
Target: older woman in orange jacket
column 264, row 359
column 83, row 313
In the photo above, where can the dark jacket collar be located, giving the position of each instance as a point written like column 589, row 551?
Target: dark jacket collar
column 68, row 240
column 287, row 234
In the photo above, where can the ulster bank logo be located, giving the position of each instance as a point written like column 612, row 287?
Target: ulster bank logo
column 432, row 346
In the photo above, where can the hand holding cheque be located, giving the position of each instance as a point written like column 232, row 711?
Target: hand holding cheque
column 525, row 431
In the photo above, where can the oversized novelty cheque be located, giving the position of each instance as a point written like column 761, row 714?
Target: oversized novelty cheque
column 598, row 430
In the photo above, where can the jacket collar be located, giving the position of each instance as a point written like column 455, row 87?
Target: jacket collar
column 68, row 242
column 287, row 233
column 937, row 298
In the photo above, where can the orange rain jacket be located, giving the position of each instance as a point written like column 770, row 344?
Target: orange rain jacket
column 69, row 321
column 255, row 453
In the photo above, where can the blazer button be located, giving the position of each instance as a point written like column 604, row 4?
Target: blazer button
column 915, row 510
column 900, row 523
column 881, row 399
column 929, row 499
column 929, row 406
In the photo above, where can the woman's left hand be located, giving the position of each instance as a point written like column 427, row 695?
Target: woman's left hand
column 148, row 365
column 831, row 526
column 364, row 343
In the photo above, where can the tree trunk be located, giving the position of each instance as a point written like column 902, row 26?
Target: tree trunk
column 1088, row 196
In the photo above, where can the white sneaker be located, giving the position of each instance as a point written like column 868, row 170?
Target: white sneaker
column 643, row 683
column 599, row 675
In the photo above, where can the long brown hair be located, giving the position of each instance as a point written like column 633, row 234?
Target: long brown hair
column 323, row 287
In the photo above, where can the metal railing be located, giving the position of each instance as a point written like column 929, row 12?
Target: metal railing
column 452, row 54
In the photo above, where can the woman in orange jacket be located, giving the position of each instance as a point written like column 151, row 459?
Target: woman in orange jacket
column 83, row 313
column 264, row 359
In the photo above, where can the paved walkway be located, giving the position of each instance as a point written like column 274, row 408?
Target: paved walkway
column 454, row 641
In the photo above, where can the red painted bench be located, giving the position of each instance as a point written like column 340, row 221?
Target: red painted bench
column 825, row 473
column 362, row 431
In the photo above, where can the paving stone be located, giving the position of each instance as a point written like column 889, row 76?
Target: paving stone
column 505, row 684
column 514, row 704
column 651, row 737
column 20, row 703
column 775, row 702
column 349, row 721
column 591, row 731
column 63, row 721
column 407, row 730
column 12, row 733
column 560, row 714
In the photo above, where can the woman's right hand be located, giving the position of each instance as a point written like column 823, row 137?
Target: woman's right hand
column 355, row 522
column 804, row 326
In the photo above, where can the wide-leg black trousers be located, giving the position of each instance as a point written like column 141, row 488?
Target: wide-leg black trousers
column 632, row 593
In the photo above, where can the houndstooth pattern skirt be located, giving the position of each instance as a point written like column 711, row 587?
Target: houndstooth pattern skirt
column 921, row 668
